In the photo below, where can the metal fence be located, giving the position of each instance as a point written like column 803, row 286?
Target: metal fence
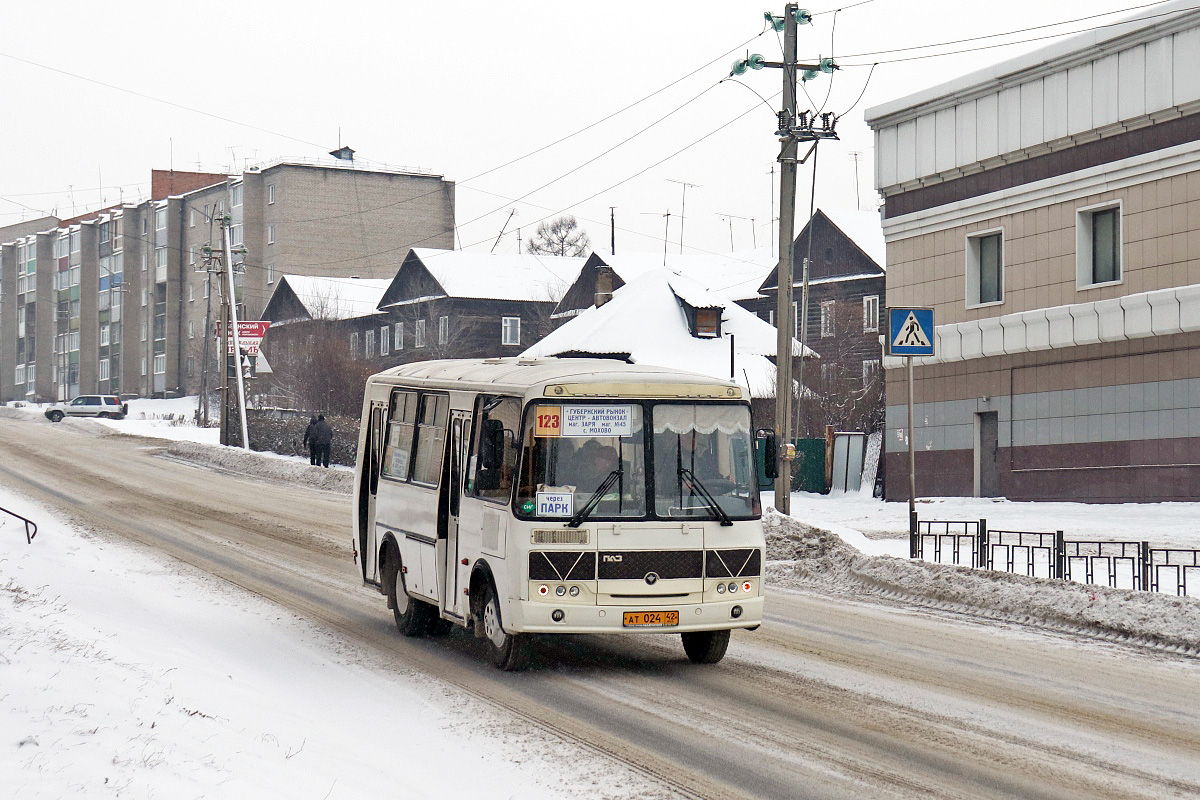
column 1119, row 564
column 30, row 525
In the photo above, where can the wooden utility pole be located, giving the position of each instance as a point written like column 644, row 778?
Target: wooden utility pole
column 232, row 331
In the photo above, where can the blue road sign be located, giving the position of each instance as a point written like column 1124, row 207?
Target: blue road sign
column 910, row 331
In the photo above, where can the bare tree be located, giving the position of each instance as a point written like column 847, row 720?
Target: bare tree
column 845, row 387
column 314, row 369
column 561, row 236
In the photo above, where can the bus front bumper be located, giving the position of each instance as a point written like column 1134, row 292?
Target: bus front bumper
column 538, row 617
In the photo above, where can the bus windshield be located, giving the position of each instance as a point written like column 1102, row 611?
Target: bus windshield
column 590, row 461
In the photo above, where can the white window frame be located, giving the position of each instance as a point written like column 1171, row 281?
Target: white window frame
column 1083, row 245
column 385, row 338
column 972, row 253
column 270, row 274
column 160, row 363
column 419, row 334
column 191, row 292
column 143, row 366
column 235, row 195
column 870, row 313
column 354, row 344
column 828, row 314
column 510, row 330
column 105, row 335
column 399, row 339
column 270, row 194
column 270, row 234
column 443, row 330
column 369, row 347
column 191, row 329
column 870, row 367
column 192, row 218
column 104, row 368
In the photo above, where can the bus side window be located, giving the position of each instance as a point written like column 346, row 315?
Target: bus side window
column 494, row 451
column 402, row 418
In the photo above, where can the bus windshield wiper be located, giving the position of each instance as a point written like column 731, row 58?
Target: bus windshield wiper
column 582, row 514
column 698, row 488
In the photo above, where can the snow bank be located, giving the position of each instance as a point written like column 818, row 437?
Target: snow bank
column 267, row 466
column 806, row 557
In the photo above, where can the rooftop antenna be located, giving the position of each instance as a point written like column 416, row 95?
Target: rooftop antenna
column 666, row 229
column 731, row 218
column 512, row 212
column 856, row 156
column 683, row 210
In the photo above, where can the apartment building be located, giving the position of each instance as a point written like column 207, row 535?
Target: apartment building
column 120, row 300
column 1048, row 210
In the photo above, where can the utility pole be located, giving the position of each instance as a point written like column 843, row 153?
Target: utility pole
column 232, row 330
column 683, row 210
column 791, row 131
column 222, row 259
column 666, row 229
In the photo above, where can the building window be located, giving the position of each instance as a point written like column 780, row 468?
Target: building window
column 235, row 193
column 370, row 342
column 443, row 330
column 708, row 323
column 191, row 292
column 1098, row 245
column 985, row 268
column 191, row 366
column 270, row 234
column 354, row 345
column 206, row 290
column 191, row 329
column 385, row 335
column 191, row 255
column 160, row 219
column 510, row 330
column 869, row 370
column 270, row 274
column 105, row 335
column 104, row 367
column 19, row 376
column 235, row 235
column 270, row 194
column 192, row 218
column 419, row 334
column 143, row 366
column 399, row 335
column 145, row 295
column 871, row 313
column 827, row 326
column 160, row 364
column 143, row 332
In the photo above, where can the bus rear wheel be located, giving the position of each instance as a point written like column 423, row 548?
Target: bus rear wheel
column 413, row 618
column 508, row 651
column 705, row 647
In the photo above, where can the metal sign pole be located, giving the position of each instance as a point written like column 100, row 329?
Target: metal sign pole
column 912, row 458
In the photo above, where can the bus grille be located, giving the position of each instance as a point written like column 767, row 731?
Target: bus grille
column 734, row 563
column 637, row 564
column 562, row 566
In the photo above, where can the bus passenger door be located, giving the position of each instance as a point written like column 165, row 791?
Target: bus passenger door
column 460, row 436
column 368, row 492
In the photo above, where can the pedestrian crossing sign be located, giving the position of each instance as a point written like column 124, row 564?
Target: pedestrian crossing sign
column 910, row 331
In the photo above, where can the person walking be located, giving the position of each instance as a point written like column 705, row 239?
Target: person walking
column 323, row 434
column 309, row 441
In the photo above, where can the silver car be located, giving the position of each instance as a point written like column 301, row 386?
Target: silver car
column 108, row 406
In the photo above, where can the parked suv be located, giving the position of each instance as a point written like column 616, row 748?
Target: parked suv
column 108, row 406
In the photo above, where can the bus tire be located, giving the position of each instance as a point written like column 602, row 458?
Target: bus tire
column 413, row 617
column 705, row 647
column 438, row 626
column 508, row 651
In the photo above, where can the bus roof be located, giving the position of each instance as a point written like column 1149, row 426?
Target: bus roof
column 519, row 375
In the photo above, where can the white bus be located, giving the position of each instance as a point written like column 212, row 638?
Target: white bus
column 538, row 496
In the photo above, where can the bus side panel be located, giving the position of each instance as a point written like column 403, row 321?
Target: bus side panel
column 410, row 513
column 420, row 577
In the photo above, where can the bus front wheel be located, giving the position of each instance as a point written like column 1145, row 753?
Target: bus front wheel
column 705, row 647
column 508, row 651
column 413, row 618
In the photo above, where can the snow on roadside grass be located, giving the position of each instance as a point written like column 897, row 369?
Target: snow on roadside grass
column 123, row 672
column 804, row 556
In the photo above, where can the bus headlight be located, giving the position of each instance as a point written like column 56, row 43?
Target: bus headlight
column 720, row 588
column 560, row 590
column 732, row 588
column 574, row 591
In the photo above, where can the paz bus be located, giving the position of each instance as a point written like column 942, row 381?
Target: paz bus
column 522, row 496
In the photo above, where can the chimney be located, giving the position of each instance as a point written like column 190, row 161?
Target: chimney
column 604, row 284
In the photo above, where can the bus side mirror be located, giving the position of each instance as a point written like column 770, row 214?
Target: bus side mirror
column 491, row 444
column 768, row 443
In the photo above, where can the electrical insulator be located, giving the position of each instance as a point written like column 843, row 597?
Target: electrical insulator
column 827, row 66
column 802, row 16
column 739, row 67
column 775, row 22
column 809, row 74
column 784, row 117
column 756, row 62
column 825, row 125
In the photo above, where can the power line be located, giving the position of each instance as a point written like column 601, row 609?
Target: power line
column 1017, row 41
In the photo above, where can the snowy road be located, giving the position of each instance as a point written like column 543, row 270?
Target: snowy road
column 831, row 698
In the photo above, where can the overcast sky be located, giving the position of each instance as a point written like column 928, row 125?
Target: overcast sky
column 462, row 89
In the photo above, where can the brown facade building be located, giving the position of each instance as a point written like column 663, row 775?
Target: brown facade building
column 1048, row 210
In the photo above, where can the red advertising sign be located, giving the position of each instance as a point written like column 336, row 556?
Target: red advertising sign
column 250, row 335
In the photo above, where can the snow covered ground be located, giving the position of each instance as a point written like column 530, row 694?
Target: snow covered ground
column 126, row 674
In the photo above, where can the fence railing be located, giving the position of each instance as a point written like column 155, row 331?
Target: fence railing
column 1050, row 555
column 30, row 525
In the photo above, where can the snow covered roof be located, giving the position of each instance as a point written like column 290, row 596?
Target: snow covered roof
column 864, row 228
column 619, row 327
column 511, row 276
column 736, row 276
column 337, row 298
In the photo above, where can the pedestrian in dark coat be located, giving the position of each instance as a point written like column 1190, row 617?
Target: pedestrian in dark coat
column 309, row 441
column 323, row 434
